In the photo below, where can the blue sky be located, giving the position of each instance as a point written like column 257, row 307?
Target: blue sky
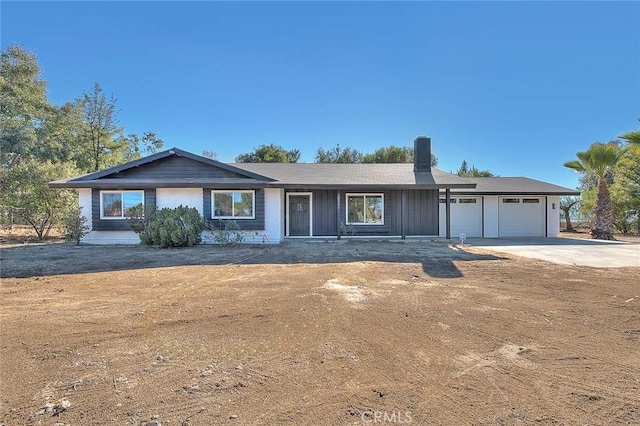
column 514, row 87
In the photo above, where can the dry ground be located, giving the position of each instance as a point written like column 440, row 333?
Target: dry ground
column 314, row 333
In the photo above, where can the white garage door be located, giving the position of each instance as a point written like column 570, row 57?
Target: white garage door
column 521, row 217
column 466, row 216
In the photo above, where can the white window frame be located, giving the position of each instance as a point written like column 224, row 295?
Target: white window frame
column 365, row 195
column 121, row 192
column 233, row 191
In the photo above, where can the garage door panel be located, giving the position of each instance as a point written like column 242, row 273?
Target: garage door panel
column 521, row 217
column 466, row 216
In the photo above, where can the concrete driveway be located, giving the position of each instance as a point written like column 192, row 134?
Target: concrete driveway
column 567, row 251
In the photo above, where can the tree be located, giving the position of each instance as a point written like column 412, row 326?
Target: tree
column 23, row 104
column 137, row 146
column 102, row 147
column 600, row 160
column 465, row 171
column 24, row 187
column 32, row 152
column 338, row 155
column 210, row 154
column 394, row 154
column 568, row 206
column 40, row 142
column 633, row 137
column 269, row 154
column 625, row 191
column 102, row 142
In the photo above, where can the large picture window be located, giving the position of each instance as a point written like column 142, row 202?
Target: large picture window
column 365, row 209
column 233, row 204
column 118, row 204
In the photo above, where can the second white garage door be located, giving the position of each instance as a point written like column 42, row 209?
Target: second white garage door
column 521, row 216
column 466, row 217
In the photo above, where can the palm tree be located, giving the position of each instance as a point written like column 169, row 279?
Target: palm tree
column 632, row 136
column 599, row 160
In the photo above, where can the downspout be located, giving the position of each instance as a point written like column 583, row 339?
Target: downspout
column 338, row 222
column 447, row 198
column 403, row 214
column 482, row 215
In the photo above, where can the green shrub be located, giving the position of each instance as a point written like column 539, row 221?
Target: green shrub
column 226, row 233
column 75, row 226
column 179, row 227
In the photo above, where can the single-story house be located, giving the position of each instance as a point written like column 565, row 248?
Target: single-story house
column 273, row 201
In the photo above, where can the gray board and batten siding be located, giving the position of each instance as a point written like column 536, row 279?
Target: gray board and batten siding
column 174, row 167
column 406, row 212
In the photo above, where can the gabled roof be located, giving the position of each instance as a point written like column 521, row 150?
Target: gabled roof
column 515, row 185
column 110, row 177
column 164, row 154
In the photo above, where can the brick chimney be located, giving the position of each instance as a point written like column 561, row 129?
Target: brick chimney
column 422, row 154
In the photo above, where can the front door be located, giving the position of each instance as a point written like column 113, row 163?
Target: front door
column 299, row 215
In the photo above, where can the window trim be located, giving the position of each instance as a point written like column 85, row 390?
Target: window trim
column 233, row 191
column 121, row 192
column 365, row 195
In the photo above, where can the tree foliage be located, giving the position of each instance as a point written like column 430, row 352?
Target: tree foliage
column 600, row 161
column 625, row 191
column 102, row 142
column 269, row 154
column 337, row 154
column 394, row 154
column 465, row 171
column 386, row 154
column 24, row 187
column 210, row 154
column 99, row 133
column 41, row 142
column 568, row 206
column 23, row 105
column 632, row 137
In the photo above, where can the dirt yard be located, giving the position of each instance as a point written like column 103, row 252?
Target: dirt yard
column 315, row 333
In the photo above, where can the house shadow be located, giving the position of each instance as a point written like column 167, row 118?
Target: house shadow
column 438, row 259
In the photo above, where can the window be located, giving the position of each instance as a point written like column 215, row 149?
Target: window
column 511, row 200
column 233, row 204
column 444, row 200
column 531, row 200
column 365, row 209
column 468, row 200
column 118, row 204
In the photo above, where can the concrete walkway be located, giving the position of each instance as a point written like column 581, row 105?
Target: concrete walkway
column 567, row 251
